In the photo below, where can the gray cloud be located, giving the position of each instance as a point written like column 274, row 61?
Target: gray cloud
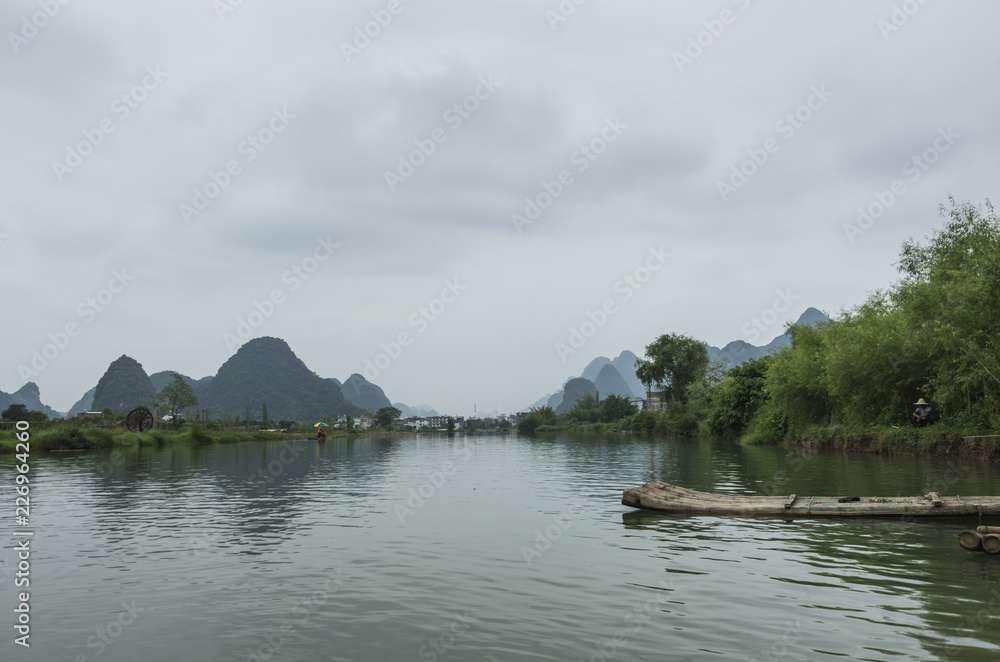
column 324, row 176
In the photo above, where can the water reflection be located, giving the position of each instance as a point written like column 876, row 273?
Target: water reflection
column 225, row 543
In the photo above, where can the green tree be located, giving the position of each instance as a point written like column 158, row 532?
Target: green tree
column 536, row 417
column 263, row 415
column 451, row 424
column 16, row 413
column 740, row 394
column 616, row 407
column 932, row 334
column 386, row 415
column 175, row 397
column 586, row 409
column 672, row 363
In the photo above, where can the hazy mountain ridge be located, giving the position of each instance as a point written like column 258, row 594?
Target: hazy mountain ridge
column 123, row 386
column 418, row 410
column 574, row 389
column 598, row 371
column 266, row 370
column 738, row 351
column 610, row 382
column 364, row 394
column 29, row 396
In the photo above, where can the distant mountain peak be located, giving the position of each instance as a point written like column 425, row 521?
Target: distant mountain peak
column 124, row 385
column 811, row 316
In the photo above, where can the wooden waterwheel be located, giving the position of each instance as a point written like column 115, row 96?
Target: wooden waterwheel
column 139, row 419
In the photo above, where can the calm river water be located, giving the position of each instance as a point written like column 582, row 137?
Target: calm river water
column 492, row 547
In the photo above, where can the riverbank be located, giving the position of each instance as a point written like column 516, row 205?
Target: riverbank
column 63, row 436
column 933, row 441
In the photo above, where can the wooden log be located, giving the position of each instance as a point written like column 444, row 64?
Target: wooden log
column 657, row 495
column 935, row 499
column 971, row 540
column 991, row 543
column 790, row 500
column 988, row 529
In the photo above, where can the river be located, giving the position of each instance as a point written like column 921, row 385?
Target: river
column 487, row 547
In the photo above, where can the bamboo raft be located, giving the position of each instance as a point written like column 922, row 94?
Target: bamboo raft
column 674, row 499
column 984, row 538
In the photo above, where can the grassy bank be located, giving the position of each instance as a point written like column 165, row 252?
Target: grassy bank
column 579, row 427
column 934, row 441
column 69, row 435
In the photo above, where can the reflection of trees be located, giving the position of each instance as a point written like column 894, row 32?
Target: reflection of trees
column 244, row 494
column 908, row 587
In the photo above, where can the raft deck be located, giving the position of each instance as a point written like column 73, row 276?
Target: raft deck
column 675, row 499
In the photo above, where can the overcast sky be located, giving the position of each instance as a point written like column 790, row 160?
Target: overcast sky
column 626, row 123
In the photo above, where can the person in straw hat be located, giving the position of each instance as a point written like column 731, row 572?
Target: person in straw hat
column 922, row 415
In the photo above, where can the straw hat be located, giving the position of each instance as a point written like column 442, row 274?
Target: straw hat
column 921, row 401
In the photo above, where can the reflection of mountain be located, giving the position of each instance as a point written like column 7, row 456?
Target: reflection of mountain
column 261, row 492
